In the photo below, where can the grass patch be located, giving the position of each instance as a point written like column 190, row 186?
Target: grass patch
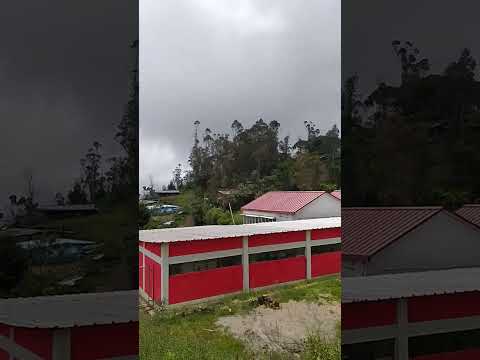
column 317, row 347
column 189, row 332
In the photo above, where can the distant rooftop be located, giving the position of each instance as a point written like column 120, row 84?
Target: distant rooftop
column 337, row 194
column 288, row 202
column 367, row 230
column 63, row 208
column 226, row 231
column 470, row 212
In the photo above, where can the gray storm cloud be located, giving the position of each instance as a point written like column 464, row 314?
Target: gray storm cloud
column 216, row 61
column 64, row 72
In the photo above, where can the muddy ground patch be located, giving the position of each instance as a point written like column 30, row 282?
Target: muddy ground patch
column 283, row 329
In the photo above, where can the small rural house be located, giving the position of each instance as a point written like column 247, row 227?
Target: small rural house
column 405, row 239
column 181, row 265
column 70, row 327
column 292, row 205
column 432, row 315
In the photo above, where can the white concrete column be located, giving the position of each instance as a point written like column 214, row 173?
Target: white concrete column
column 61, row 344
column 401, row 343
column 245, row 265
column 165, row 270
column 143, row 270
column 308, row 253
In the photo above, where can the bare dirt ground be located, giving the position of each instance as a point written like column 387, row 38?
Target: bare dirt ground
column 283, row 329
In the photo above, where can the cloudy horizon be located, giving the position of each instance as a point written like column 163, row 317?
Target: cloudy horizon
column 215, row 61
column 64, row 86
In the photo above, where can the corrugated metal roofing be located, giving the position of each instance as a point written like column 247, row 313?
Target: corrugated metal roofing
column 225, row 231
column 288, row 202
column 337, row 194
column 367, row 230
column 470, row 213
column 63, row 311
column 396, row 286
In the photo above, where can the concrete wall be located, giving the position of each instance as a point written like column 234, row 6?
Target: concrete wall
column 444, row 241
column 161, row 286
column 325, row 206
column 400, row 319
column 352, row 267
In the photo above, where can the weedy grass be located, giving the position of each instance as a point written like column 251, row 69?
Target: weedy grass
column 189, row 332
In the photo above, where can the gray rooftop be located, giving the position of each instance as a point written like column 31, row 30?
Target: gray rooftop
column 225, row 231
column 64, row 311
column 404, row 285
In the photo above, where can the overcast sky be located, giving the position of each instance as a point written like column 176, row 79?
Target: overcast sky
column 64, row 72
column 219, row 60
column 440, row 29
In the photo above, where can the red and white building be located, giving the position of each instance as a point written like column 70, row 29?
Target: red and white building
column 96, row 326
column 292, row 205
column 433, row 315
column 181, row 265
column 380, row 240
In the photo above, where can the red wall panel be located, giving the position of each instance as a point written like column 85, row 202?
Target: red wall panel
column 471, row 354
column 201, row 246
column 368, row 314
column 264, row 273
column 202, row 284
column 154, row 248
column 325, row 233
column 153, row 277
column 140, row 270
column 436, row 307
column 38, row 341
column 327, row 263
column 102, row 341
column 4, row 331
column 280, row 238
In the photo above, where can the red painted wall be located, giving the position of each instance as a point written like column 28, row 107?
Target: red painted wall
column 4, row 331
column 154, row 248
column 436, row 307
column 101, row 341
column 38, row 341
column 472, row 354
column 280, row 238
column 140, row 270
column 368, row 314
column 201, row 246
column 325, row 233
column 202, row 284
column 327, row 263
column 264, row 273
column 153, row 279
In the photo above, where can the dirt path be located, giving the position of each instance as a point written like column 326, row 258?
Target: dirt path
column 283, row 329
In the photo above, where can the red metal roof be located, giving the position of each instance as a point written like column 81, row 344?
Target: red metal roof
column 283, row 201
column 470, row 213
column 367, row 230
column 337, row 194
